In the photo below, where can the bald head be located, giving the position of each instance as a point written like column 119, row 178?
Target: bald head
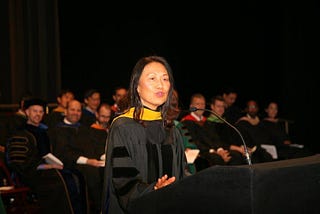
column 73, row 111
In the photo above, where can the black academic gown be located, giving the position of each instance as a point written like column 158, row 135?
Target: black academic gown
column 69, row 142
column 137, row 155
column 24, row 152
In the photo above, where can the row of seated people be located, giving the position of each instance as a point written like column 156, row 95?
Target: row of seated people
column 91, row 103
column 270, row 131
column 233, row 143
column 69, row 126
column 267, row 125
column 62, row 163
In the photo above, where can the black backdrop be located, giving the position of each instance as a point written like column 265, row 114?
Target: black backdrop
column 267, row 50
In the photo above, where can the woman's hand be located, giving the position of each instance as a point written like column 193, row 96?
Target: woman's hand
column 164, row 181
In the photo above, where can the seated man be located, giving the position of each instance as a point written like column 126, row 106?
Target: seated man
column 253, row 134
column 213, row 153
column 223, row 134
column 119, row 93
column 99, row 131
column 12, row 123
column 57, row 114
column 92, row 100
column 27, row 150
column 74, row 145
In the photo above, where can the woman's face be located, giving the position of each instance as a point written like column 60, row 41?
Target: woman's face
column 154, row 85
column 272, row 110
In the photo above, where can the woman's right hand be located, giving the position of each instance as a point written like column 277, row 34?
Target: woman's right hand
column 164, row 181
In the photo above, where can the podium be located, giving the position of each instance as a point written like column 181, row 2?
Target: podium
column 279, row 187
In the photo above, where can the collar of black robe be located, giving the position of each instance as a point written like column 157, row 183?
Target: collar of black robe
column 69, row 124
column 147, row 114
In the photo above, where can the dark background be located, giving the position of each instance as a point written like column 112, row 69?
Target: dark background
column 260, row 48
column 208, row 47
column 267, row 50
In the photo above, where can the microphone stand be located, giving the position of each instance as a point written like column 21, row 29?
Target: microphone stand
column 192, row 109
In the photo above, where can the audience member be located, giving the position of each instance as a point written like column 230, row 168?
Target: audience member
column 119, row 94
column 103, row 119
column 253, row 134
column 73, row 144
column 57, row 114
column 28, row 152
column 12, row 123
column 92, row 101
column 232, row 111
column 100, row 129
column 143, row 154
column 222, row 134
column 278, row 136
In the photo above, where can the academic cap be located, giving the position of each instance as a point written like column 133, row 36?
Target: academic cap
column 34, row 101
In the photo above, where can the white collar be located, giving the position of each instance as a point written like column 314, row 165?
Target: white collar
column 196, row 116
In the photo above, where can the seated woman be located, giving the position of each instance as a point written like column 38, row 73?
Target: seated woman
column 277, row 134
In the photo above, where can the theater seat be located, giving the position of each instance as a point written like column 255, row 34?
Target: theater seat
column 14, row 194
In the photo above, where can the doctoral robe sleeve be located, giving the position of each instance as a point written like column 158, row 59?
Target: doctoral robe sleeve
column 127, row 179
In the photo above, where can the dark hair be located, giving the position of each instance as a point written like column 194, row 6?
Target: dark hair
column 35, row 101
column 65, row 91
column 90, row 92
column 133, row 95
column 197, row 95
column 118, row 88
column 174, row 109
column 215, row 98
column 229, row 90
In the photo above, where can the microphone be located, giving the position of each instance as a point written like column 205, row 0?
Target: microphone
column 193, row 109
